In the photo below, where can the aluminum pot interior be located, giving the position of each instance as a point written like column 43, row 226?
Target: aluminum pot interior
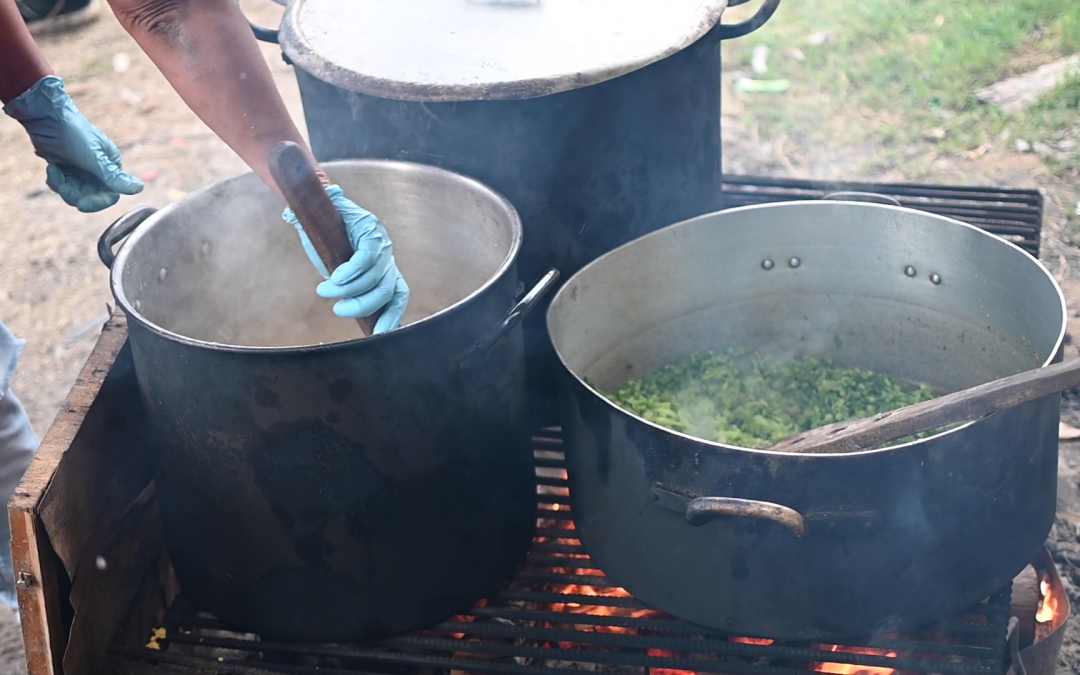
column 220, row 266
column 894, row 290
column 888, row 538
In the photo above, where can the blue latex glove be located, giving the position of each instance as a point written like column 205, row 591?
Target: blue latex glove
column 370, row 279
column 84, row 165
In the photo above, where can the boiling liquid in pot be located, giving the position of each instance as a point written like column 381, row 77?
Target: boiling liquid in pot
column 226, row 269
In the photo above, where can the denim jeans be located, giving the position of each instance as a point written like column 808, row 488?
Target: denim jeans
column 18, row 444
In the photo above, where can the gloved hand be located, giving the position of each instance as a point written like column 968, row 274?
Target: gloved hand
column 370, row 279
column 84, row 165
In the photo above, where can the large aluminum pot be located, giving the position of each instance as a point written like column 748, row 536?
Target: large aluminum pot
column 599, row 120
column 829, row 546
column 313, row 485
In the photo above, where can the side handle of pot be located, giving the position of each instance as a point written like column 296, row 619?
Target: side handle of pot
column 121, row 228
column 724, row 31
column 521, row 309
column 265, row 34
column 703, row 510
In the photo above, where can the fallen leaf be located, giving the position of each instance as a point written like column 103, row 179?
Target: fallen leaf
column 797, row 54
column 819, row 38
column 977, row 152
column 174, row 195
column 940, row 20
column 1067, row 432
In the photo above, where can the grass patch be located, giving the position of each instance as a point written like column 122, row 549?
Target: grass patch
column 908, row 66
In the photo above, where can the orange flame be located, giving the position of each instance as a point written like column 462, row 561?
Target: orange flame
column 752, row 641
column 664, row 653
column 849, row 669
column 1048, row 606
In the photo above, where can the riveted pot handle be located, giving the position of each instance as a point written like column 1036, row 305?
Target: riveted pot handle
column 728, row 31
column 702, row 510
column 521, row 309
column 266, row 34
column 121, row 228
column 705, row 509
column 855, row 196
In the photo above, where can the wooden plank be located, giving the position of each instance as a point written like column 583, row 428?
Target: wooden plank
column 105, row 464
column 43, row 556
column 37, row 608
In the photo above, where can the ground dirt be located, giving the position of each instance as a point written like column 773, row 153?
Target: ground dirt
column 54, row 291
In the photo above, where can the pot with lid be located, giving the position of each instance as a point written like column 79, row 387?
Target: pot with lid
column 599, row 120
column 825, row 546
column 316, row 486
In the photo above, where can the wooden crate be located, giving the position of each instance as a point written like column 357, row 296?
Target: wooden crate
column 86, row 543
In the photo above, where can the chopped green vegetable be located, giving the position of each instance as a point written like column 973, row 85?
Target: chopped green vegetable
column 754, row 401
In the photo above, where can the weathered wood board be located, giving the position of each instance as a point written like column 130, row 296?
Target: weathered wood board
column 84, row 524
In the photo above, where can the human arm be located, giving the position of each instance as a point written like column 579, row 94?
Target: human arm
column 84, row 166
column 21, row 62
column 207, row 52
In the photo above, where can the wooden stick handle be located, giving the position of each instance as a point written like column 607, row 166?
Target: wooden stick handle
column 969, row 404
column 297, row 176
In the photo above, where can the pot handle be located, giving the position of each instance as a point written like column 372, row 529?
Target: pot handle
column 702, row 510
column 724, row 31
column 855, row 196
column 266, row 34
column 121, row 227
column 521, row 309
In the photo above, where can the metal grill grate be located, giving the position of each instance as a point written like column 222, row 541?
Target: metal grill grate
column 562, row 616
column 1015, row 215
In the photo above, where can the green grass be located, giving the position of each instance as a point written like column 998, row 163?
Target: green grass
column 907, row 66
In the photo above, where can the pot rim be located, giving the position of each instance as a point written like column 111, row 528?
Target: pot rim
column 116, row 271
column 301, row 52
column 715, row 446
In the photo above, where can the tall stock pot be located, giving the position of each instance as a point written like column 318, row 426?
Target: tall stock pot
column 848, row 545
column 599, row 120
column 314, row 485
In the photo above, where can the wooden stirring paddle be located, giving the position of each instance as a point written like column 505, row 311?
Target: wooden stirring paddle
column 297, row 176
column 961, row 406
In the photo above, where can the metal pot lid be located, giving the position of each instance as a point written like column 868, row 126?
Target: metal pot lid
column 460, row 50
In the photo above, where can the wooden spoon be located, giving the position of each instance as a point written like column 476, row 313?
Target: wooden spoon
column 297, row 175
column 961, row 406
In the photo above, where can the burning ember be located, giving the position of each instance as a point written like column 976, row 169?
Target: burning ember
column 849, row 669
column 752, row 641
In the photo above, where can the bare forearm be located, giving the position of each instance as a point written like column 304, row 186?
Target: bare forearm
column 207, row 52
column 21, row 62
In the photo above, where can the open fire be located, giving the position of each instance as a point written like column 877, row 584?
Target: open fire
column 565, row 614
column 554, row 528
column 1048, row 616
column 850, row 669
